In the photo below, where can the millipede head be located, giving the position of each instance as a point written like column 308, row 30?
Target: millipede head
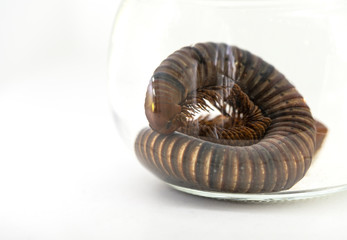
column 161, row 115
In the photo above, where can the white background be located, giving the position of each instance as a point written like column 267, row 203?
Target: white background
column 64, row 173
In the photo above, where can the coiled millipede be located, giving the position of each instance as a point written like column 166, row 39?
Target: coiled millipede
column 263, row 139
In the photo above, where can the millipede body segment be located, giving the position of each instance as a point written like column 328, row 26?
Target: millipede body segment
column 262, row 139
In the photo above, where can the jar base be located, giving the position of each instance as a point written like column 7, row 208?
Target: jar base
column 287, row 195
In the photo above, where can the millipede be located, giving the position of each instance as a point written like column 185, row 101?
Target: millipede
column 222, row 119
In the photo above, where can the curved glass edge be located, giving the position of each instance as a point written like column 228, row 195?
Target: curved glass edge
column 264, row 197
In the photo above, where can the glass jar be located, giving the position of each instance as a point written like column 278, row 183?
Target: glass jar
column 302, row 39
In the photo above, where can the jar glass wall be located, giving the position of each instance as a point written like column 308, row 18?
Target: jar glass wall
column 303, row 40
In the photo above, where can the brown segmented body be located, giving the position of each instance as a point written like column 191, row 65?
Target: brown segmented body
column 263, row 141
